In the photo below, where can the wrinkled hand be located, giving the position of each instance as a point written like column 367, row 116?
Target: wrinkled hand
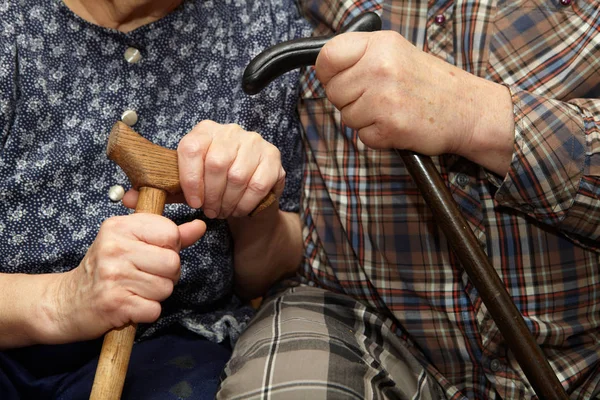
column 130, row 268
column 225, row 170
column 397, row 96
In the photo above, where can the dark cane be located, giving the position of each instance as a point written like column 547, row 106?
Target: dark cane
column 303, row 52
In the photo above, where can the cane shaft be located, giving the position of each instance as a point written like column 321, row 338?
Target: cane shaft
column 117, row 345
column 476, row 264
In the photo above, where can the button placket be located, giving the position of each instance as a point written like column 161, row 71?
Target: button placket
column 129, row 117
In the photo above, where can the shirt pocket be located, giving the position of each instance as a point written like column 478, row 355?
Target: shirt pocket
column 546, row 47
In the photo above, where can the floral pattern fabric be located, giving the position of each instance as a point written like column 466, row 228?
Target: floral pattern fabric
column 64, row 82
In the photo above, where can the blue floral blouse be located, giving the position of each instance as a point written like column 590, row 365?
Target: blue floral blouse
column 64, row 82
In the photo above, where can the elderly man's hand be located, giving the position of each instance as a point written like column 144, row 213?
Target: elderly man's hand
column 397, row 96
column 130, row 268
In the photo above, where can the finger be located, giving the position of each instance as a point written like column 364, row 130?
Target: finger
column 153, row 260
column 280, row 184
column 140, row 310
column 238, row 178
column 265, row 178
column 191, row 153
column 359, row 114
column 191, row 232
column 340, row 53
column 345, row 88
column 372, row 137
column 219, row 159
column 130, row 199
column 148, row 286
column 149, row 228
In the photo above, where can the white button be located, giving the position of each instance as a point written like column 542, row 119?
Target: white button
column 130, row 117
column 116, row 193
column 132, row 55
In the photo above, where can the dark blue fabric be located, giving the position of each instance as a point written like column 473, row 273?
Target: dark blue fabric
column 64, row 82
column 173, row 366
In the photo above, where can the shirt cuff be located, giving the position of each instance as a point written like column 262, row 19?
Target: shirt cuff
column 548, row 160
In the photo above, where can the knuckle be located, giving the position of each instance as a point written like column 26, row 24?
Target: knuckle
column 112, row 224
column 190, row 180
column 109, row 272
column 166, row 289
column 384, row 68
column 233, row 127
column 149, row 313
column 190, row 147
column 205, row 125
column 259, row 186
column 173, row 263
column 237, row 176
column 153, row 312
column 216, row 162
column 170, row 235
column 254, row 137
column 273, row 152
column 110, row 248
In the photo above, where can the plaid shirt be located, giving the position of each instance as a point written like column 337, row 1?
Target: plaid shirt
column 369, row 234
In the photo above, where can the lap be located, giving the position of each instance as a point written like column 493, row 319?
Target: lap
column 171, row 366
column 310, row 343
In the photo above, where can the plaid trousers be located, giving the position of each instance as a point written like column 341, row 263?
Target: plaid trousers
column 309, row 343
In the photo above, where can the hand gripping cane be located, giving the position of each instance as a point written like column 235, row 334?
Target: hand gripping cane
column 303, row 52
column 153, row 171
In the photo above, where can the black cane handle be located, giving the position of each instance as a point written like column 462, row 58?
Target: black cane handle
column 286, row 56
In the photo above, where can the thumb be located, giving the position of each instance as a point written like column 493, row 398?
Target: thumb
column 191, row 232
column 340, row 53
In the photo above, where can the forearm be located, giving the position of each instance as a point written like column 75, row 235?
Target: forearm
column 267, row 248
column 491, row 142
column 24, row 309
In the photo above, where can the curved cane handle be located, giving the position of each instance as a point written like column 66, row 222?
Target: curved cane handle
column 297, row 53
column 286, row 56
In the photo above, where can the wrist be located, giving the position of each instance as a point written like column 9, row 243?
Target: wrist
column 23, row 317
column 48, row 309
column 267, row 248
column 490, row 140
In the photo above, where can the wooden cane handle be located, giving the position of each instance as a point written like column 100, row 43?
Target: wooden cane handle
column 117, row 345
column 264, row 203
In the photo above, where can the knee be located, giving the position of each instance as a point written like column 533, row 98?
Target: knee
column 289, row 352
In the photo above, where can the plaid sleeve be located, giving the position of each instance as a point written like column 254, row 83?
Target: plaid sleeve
column 8, row 56
column 555, row 171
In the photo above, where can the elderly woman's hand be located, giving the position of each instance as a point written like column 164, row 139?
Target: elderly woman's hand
column 225, row 170
column 130, row 268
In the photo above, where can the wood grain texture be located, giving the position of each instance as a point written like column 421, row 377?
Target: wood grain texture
column 113, row 362
column 149, row 165
column 118, row 343
column 153, row 170
column 145, row 163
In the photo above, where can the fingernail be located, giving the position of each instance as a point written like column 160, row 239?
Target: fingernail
column 210, row 213
column 195, row 202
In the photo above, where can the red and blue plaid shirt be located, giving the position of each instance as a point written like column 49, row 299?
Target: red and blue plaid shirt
column 369, row 234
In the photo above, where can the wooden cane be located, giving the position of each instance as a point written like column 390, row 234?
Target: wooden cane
column 152, row 170
column 286, row 56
